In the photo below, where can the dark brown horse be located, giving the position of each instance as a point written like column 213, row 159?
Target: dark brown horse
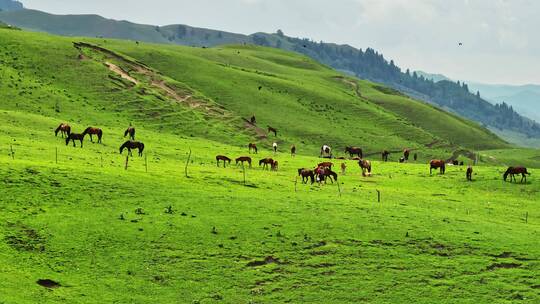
column 323, row 173
column 131, row 132
column 384, row 155
column 253, row 120
column 265, row 162
column 64, row 128
column 275, row 165
column 415, row 156
column 253, row 147
column 406, row 154
column 437, row 163
column 293, row 150
column 354, row 151
column 243, row 159
column 516, row 170
column 132, row 145
column 272, row 130
column 326, row 165
column 306, row 174
column 224, row 159
column 94, row 131
column 73, row 137
column 365, row 165
column 469, row 173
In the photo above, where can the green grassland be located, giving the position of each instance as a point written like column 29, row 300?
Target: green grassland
column 150, row 234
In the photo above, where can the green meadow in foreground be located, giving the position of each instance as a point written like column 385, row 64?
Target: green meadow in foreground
column 103, row 234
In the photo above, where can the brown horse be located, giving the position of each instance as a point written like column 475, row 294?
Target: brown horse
column 94, row 131
column 293, row 150
column 73, row 137
column 323, row 173
column 272, row 130
column 365, row 165
column 516, row 170
column 326, row 165
column 384, row 155
column 354, row 151
column 275, row 166
column 243, row 159
column 406, row 154
column 437, row 163
column 343, row 168
column 265, row 162
column 253, row 147
column 64, row 128
column 224, row 159
column 131, row 132
column 469, row 173
column 306, row 173
column 132, row 145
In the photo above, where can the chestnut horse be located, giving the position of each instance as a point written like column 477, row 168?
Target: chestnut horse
column 437, row 163
column 306, row 173
column 406, row 154
column 253, row 147
column 469, row 173
column 73, row 137
column 93, row 131
column 326, row 165
column 384, row 155
column 275, row 166
column 265, row 162
column 293, row 150
column 354, row 151
column 132, row 145
column 273, row 130
column 343, row 168
column 64, row 128
column 322, row 173
column 224, row 159
column 365, row 165
column 243, row 159
column 131, row 132
column 516, row 170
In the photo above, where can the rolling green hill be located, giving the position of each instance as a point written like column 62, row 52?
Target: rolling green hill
column 76, row 226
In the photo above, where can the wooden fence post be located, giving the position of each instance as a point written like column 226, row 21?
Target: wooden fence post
column 146, row 162
column 244, row 172
column 12, row 152
column 526, row 217
column 187, row 163
column 378, row 196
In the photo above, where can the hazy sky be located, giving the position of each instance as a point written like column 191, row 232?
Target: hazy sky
column 500, row 38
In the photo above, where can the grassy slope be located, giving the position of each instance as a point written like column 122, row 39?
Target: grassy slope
column 432, row 238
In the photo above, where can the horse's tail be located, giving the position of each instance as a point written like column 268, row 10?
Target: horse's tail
column 142, row 148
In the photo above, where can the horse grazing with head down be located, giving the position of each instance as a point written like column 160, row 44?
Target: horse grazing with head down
column 224, row 159
column 131, row 132
column 516, row 170
column 64, row 128
column 253, row 147
column 275, row 166
column 73, row 137
column 272, row 130
column 365, row 165
column 132, row 145
column 243, row 159
column 384, row 155
column 323, row 173
column 266, row 162
column 354, row 151
column 94, row 131
column 306, row 174
column 437, row 164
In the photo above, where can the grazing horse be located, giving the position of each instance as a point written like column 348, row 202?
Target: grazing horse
column 64, row 128
column 93, row 131
column 306, row 173
column 223, row 158
column 131, row 132
column 437, row 163
column 384, row 155
column 253, row 120
column 326, row 165
column 343, row 168
column 516, row 170
column 406, row 154
column 132, row 145
column 274, row 146
column 322, row 173
column 415, row 156
column 243, row 159
column 272, row 130
column 365, row 165
column 293, row 150
column 326, row 151
column 265, row 162
column 469, row 173
column 73, row 137
column 275, row 166
column 402, row 159
column 253, row 147
column 354, row 151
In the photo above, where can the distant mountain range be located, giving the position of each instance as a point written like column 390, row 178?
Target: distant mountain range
column 367, row 64
column 10, row 5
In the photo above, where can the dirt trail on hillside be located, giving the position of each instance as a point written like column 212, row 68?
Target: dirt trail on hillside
column 118, row 70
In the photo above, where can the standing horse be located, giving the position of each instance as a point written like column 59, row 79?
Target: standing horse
column 516, row 170
column 384, row 155
column 243, row 159
column 322, row 173
column 354, row 151
column 437, row 163
column 93, row 131
column 224, row 159
column 293, row 150
column 73, row 137
column 253, row 147
column 265, row 162
column 131, row 132
column 343, row 168
column 306, row 173
column 469, row 173
column 272, row 130
column 326, row 151
column 275, row 166
column 64, row 128
column 132, row 145
column 365, row 165
column 406, row 154
column 274, row 146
